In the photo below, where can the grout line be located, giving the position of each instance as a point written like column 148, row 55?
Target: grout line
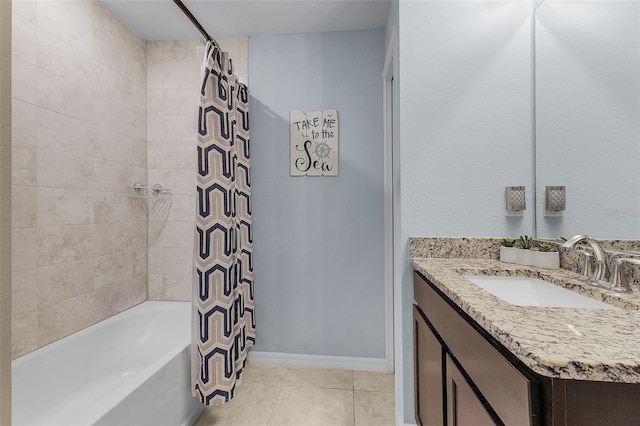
column 273, row 408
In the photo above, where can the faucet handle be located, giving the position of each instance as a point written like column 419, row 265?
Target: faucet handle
column 587, row 266
column 618, row 279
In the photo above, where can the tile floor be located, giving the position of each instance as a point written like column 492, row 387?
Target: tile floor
column 279, row 395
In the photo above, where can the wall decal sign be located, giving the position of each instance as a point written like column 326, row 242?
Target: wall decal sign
column 314, row 143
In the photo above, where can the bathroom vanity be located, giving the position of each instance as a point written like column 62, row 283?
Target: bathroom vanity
column 480, row 360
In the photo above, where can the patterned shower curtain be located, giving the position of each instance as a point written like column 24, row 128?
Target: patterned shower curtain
column 223, row 305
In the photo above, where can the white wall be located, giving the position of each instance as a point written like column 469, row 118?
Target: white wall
column 465, row 128
column 319, row 248
column 587, row 114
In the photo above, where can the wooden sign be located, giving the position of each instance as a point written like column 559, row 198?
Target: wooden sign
column 314, row 143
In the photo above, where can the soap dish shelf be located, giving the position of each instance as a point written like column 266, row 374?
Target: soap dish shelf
column 155, row 192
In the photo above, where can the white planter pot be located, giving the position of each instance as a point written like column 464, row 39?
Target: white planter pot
column 509, row 254
column 525, row 257
column 546, row 260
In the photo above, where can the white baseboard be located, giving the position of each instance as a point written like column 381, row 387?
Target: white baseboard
column 323, row 361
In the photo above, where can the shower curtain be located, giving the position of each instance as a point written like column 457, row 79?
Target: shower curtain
column 223, row 305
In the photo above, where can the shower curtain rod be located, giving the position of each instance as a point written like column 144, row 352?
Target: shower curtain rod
column 194, row 21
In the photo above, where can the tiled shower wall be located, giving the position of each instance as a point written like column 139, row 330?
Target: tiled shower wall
column 173, row 82
column 79, row 140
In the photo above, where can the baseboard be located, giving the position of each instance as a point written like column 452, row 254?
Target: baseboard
column 323, row 361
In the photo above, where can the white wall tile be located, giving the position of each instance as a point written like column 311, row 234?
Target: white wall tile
column 112, row 146
column 180, row 75
column 177, row 261
column 155, row 129
column 113, row 115
column 69, row 97
column 138, row 153
column 24, row 333
column 139, row 235
column 64, row 60
column 69, row 20
column 25, row 9
column 140, row 265
column 177, row 287
column 178, row 234
column 139, row 174
column 24, row 249
column 23, row 38
column 24, row 202
column 112, row 176
column 181, row 51
column 58, row 169
column 154, row 102
column 155, row 259
column 24, row 291
column 155, row 155
column 181, row 181
column 65, row 317
column 60, row 244
column 113, row 268
column 113, row 237
column 64, row 207
column 64, row 133
column 154, row 75
column 181, row 128
column 112, row 85
column 23, row 123
column 155, row 286
column 23, row 80
column 183, row 208
column 23, row 165
column 180, row 155
column 116, row 46
column 76, row 106
column 180, row 102
column 154, row 51
column 112, row 207
column 64, row 280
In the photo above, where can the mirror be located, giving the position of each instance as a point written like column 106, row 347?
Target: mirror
column 587, row 106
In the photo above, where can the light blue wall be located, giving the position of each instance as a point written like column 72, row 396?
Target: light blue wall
column 319, row 248
column 465, row 128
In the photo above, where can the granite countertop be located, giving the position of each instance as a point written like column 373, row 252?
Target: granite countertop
column 568, row 343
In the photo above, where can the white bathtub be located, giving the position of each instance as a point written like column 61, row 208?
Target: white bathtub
column 131, row 369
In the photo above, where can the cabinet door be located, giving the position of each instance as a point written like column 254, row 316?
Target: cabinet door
column 463, row 406
column 429, row 393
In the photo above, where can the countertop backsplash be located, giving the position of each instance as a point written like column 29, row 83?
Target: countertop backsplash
column 489, row 248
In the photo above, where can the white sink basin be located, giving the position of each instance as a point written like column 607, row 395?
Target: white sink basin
column 524, row 291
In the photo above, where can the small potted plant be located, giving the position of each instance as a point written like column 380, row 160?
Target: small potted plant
column 524, row 244
column 545, row 257
column 508, row 253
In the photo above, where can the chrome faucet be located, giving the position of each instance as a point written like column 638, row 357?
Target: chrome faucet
column 618, row 279
column 600, row 272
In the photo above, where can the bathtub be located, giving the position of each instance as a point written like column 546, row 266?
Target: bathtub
column 131, row 369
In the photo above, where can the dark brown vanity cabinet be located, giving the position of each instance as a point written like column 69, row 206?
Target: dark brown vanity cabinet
column 464, row 377
column 460, row 377
column 429, row 394
column 463, row 405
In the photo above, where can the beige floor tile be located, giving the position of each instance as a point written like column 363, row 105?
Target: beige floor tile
column 372, row 381
column 330, row 378
column 271, row 374
column 301, row 406
column 374, row 408
column 251, row 406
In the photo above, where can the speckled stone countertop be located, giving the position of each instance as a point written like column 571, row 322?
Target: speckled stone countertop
column 582, row 344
